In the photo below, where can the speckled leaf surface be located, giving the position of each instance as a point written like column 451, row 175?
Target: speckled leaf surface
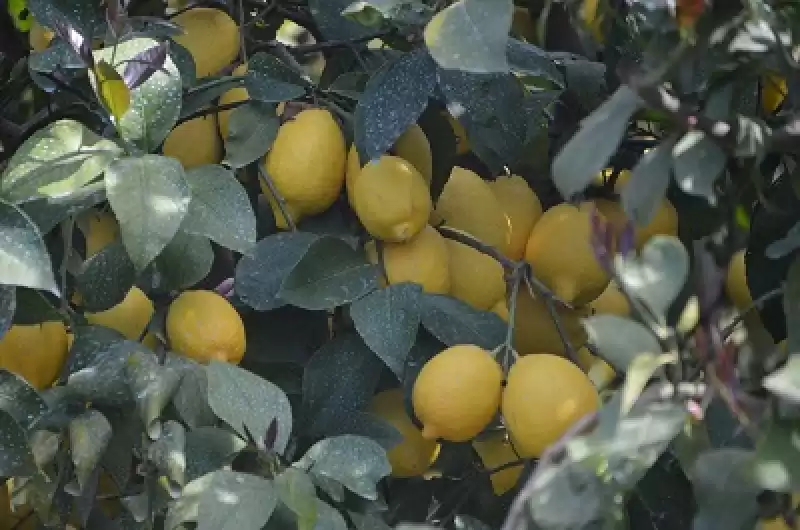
column 209, row 448
column 16, row 458
column 454, row 322
column 252, row 129
column 106, row 277
column 152, row 386
column 186, row 260
column 89, row 435
column 20, row 400
column 24, row 260
column 327, row 15
column 236, row 501
column 8, row 304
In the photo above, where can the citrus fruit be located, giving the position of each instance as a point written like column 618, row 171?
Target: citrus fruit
column 560, row 252
column 415, row 454
column 423, row 260
column 204, row 326
column 475, row 278
column 544, row 396
column 457, row 393
column 773, row 91
column 663, row 222
column 736, row 282
column 195, row 142
column 35, row 352
column 391, row 199
column 522, row 208
column 130, row 317
column 495, row 451
column 522, row 25
column 307, row 163
column 211, row 36
column 611, row 302
column 100, row 229
column 468, row 204
column 778, row 523
column 233, row 95
column 600, row 372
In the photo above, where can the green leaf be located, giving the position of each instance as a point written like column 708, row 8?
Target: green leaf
column 16, row 458
column 585, row 80
column 785, row 381
column 454, row 322
column 89, row 435
column 247, row 402
column 47, row 212
column 355, row 462
column 658, row 274
column 393, row 100
column 588, row 152
column 152, row 386
column 471, row 35
column 338, row 381
column 59, row 56
column 331, row 23
column 530, row 60
column 620, row 340
column 35, row 307
column 388, row 320
column 697, row 162
column 236, row 501
column 8, row 304
column 270, row 80
column 187, row 69
column 19, row 399
column 209, row 449
column 296, row 490
column 220, row 209
column 186, row 260
column 725, row 489
column 251, row 131
column 191, row 397
column 330, row 274
column 112, row 91
column 24, row 260
column 791, row 306
column 328, row 518
column 56, row 160
column 169, row 452
column 259, row 277
column 106, row 278
column 104, row 381
column 645, row 191
column 397, row 13
column 150, row 198
column 155, row 104
column 91, row 344
column 82, row 15
column 777, row 466
column 205, row 94
column 368, row 521
column 640, row 370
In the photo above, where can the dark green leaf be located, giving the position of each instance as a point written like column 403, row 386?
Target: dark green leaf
column 388, row 320
column 35, row 307
column 588, row 152
column 791, row 306
column 260, row 276
column 16, row 458
column 367, row 425
column 184, row 62
column 454, row 322
column 106, row 278
column 105, row 381
column 586, row 81
column 471, row 35
column 248, row 403
column 169, row 452
column 777, row 466
column 191, row 398
column 531, row 60
column 393, row 100
column 91, row 344
column 47, row 212
column 725, row 490
column 186, row 260
column 332, row 25
column 59, row 56
column 20, row 400
column 330, row 274
column 285, row 335
column 56, row 160
column 24, row 261
column 697, row 162
column 89, row 435
column 252, row 129
column 620, row 340
column 8, row 304
column 150, row 197
column 272, row 81
column 784, row 246
column 206, row 94
column 355, row 462
column 152, row 386
column 82, row 15
column 647, row 187
column 209, row 449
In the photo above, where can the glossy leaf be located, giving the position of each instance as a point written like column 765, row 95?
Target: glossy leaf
column 112, row 90
column 24, row 260
column 454, row 322
column 252, row 129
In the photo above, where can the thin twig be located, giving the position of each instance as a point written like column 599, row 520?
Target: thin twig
column 211, row 110
column 569, row 349
column 267, row 180
column 242, row 44
column 757, row 304
column 67, row 227
column 510, row 354
column 470, row 241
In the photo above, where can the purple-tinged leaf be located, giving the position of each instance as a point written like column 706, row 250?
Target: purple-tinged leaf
column 80, row 44
column 144, row 64
column 625, row 240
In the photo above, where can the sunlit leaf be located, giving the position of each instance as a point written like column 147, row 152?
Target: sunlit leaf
column 112, row 91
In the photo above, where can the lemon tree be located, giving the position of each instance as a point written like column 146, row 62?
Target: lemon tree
column 463, row 264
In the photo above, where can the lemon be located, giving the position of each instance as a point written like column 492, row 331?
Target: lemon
column 495, row 451
column 534, row 330
column 457, row 393
column 523, row 26
column 101, row 229
column 559, row 250
column 391, row 199
column 593, row 21
column 233, row 95
column 423, row 260
column 663, row 222
column 522, row 209
column 35, row 352
column 130, row 317
column 736, row 282
column 544, row 396
column 307, row 163
column 211, row 36
column 611, row 302
column 204, row 326
column 195, row 142
column 773, row 91
column 415, row 454
column 475, row 278
column 600, row 372
column 468, row 204
column 778, row 523
column 39, row 36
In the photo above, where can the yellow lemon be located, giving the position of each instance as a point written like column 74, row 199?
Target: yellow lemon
column 611, row 302
column 415, row 454
column 523, row 26
column 211, row 36
column 522, row 208
column 475, row 278
column 130, row 317
column 101, row 228
column 663, row 222
column 195, row 142
column 544, row 396
column 468, row 204
column 457, row 393
column 392, row 200
column 204, row 326
column 773, row 91
column 307, row 163
column 736, row 282
column 495, row 451
column 423, row 260
column 233, row 95
column 35, row 352
column 559, row 250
